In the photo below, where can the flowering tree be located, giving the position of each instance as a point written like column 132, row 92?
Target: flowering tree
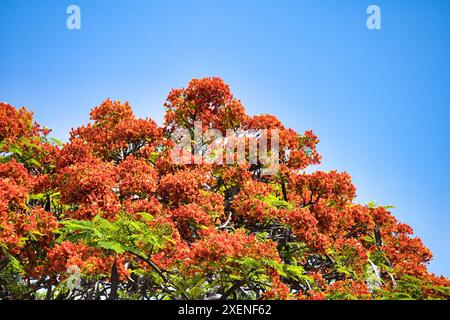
column 111, row 215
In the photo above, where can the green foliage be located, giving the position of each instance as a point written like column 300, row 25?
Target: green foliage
column 125, row 234
column 11, row 280
column 25, row 152
column 55, row 142
column 411, row 288
column 373, row 205
column 297, row 274
column 278, row 203
column 342, row 295
column 293, row 251
column 343, row 262
column 195, row 287
column 51, row 200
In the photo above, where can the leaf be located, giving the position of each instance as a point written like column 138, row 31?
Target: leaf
column 146, row 216
column 372, row 204
column 343, row 270
column 368, row 239
column 109, row 245
column 154, row 156
column 276, row 202
column 35, row 162
column 15, row 150
column 37, row 197
column 56, row 142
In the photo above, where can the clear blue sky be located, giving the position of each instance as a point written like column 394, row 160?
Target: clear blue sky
column 378, row 100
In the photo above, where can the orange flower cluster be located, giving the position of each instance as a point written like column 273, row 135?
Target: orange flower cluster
column 207, row 100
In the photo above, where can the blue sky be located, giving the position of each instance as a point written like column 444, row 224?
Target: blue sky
column 378, row 100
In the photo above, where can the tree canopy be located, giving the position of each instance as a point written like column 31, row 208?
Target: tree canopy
column 110, row 215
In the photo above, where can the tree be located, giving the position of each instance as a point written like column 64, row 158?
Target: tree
column 111, row 215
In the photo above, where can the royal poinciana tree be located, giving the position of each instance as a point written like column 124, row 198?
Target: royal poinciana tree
column 110, row 215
